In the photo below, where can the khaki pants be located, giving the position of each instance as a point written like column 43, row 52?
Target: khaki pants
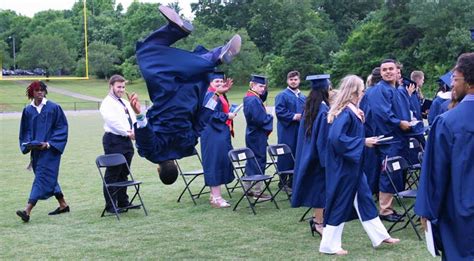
column 385, row 202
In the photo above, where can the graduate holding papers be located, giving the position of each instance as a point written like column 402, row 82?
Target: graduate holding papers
column 348, row 194
column 309, row 174
column 446, row 189
column 177, row 81
column 43, row 134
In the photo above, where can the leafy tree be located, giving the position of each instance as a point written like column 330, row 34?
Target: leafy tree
column 5, row 60
column 301, row 53
column 80, row 70
column 12, row 25
column 102, row 59
column 248, row 61
column 140, row 20
column 346, row 14
column 363, row 50
column 64, row 29
column 130, row 70
column 45, row 51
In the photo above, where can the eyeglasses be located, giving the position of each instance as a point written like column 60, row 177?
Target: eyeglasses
column 456, row 78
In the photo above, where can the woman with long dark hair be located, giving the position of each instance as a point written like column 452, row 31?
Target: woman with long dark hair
column 309, row 175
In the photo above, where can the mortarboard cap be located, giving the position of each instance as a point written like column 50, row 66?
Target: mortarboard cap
column 446, row 79
column 216, row 75
column 258, row 79
column 407, row 81
column 319, row 81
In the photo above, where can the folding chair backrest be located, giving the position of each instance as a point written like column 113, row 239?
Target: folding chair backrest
column 110, row 160
column 395, row 163
column 239, row 157
column 279, row 150
column 414, row 144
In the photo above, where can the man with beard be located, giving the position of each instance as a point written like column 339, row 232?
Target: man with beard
column 289, row 105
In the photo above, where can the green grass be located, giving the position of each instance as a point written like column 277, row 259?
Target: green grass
column 12, row 93
column 172, row 230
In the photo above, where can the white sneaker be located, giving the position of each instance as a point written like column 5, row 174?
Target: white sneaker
column 174, row 18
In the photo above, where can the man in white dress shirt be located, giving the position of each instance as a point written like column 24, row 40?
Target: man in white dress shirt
column 118, row 126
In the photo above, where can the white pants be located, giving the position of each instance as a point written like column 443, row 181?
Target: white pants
column 332, row 235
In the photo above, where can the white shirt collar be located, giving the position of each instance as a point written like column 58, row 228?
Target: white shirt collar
column 40, row 106
column 297, row 92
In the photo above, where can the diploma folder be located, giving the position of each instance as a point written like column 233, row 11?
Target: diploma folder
column 32, row 144
column 430, row 244
column 235, row 108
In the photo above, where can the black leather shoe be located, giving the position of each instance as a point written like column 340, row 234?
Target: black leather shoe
column 391, row 217
column 111, row 210
column 130, row 206
column 59, row 211
column 25, row 217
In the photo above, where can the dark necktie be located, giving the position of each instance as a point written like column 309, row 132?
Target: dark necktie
column 129, row 118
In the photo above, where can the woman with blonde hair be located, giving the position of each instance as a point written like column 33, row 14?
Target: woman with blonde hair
column 348, row 195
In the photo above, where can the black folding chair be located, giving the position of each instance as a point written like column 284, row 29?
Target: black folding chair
column 414, row 165
column 303, row 217
column 239, row 157
column 275, row 152
column 395, row 164
column 114, row 160
column 189, row 176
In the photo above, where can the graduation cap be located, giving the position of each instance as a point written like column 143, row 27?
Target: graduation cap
column 319, row 81
column 216, row 75
column 446, row 79
column 258, row 79
column 407, row 81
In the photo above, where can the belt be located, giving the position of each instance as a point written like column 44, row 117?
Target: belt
column 115, row 135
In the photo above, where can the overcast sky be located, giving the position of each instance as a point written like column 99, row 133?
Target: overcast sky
column 30, row 7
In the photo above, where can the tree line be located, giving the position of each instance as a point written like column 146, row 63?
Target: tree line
column 312, row 36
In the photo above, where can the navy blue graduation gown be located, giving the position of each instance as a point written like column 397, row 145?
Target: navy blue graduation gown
column 177, row 82
column 388, row 108
column 415, row 103
column 371, row 155
column 48, row 126
column 309, row 178
column 344, row 172
column 259, row 126
column 444, row 106
column 215, row 144
column 435, row 109
column 446, row 187
column 286, row 106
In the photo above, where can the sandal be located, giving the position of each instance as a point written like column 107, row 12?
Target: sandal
column 219, row 202
column 316, row 227
column 391, row 241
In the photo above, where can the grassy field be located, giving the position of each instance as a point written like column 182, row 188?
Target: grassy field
column 172, row 230
column 13, row 99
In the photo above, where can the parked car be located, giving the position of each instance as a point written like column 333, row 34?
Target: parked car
column 39, row 71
